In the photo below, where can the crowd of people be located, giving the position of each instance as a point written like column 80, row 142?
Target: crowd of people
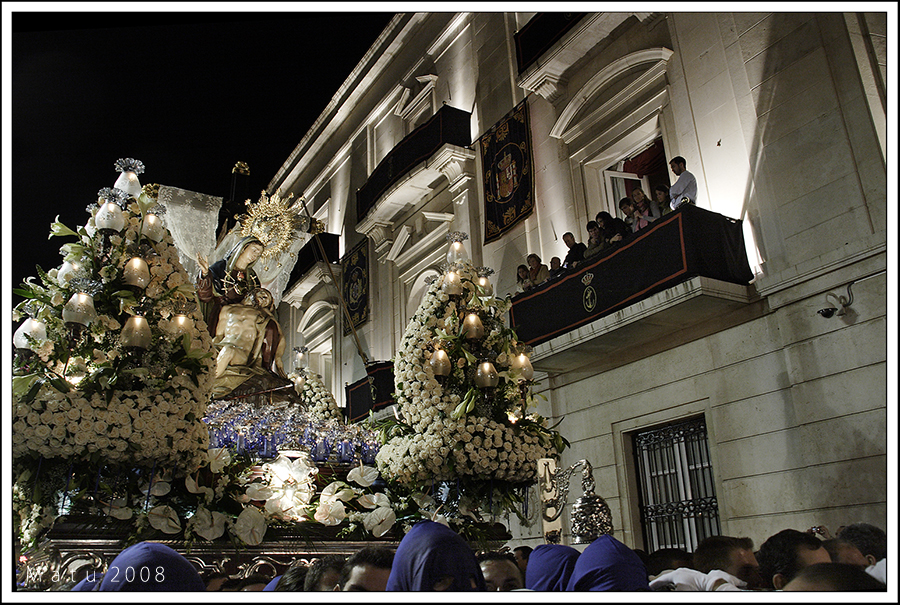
column 606, row 231
column 433, row 557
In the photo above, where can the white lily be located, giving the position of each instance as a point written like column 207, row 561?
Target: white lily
column 259, row 491
column 159, row 488
column 250, row 526
column 207, row 524
column 218, row 458
column 363, row 475
column 165, row 519
column 337, row 490
column 373, row 500
column 289, row 502
column 330, row 512
column 285, row 471
column 118, row 510
column 191, row 485
column 380, row 520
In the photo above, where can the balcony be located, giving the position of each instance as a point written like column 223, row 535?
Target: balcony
column 540, row 33
column 449, row 126
column 684, row 277
column 310, row 270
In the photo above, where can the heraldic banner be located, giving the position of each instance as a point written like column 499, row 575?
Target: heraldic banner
column 355, row 279
column 508, row 173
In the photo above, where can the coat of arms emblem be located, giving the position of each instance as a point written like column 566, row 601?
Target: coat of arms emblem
column 507, row 175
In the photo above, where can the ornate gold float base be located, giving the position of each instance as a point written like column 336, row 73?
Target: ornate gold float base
column 78, row 545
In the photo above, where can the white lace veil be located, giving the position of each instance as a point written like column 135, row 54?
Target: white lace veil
column 192, row 219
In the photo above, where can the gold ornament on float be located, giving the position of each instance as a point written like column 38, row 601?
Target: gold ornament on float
column 274, row 221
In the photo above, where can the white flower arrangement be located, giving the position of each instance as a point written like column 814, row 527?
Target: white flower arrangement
column 83, row 402
column 321, row 404
column 80, row 401
column 450, row 430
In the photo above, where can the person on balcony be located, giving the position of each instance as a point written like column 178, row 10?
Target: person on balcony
column 537, row 272
column 684, row 187
column 638, row 219
column 661, row 194
column 647, row 206
column 612, row 229
column 595, row 244
column 523, row 281
column 576, row 250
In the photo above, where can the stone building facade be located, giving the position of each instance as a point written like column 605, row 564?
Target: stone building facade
column 782, row 118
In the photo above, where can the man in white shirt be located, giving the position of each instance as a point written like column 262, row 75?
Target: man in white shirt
column 685, row 186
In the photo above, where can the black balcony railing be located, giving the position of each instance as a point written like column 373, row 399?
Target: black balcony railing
column 310, row 254
column 448, row 125
column 686, row 243
column 540, row 33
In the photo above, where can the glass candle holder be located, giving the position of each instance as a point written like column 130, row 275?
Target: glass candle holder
column 457, row 253
column 34, row 328
column 137, row 273
column 473, row 327
column 136, row 333
column 80, row 309
column 110, row 216
column 66, row 272
column 129, row 183
column 486, row 376
column 523, row 365
column 452, row 285
column 152, row 228
column 440, row 363
column 183, row 324
column 486, row 286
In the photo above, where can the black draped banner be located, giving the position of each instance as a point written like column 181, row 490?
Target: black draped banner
column 508, row 173
column 355, row 278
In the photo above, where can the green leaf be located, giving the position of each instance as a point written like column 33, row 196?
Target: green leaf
column 22, row 384
column 25, row 293
column 60, row 385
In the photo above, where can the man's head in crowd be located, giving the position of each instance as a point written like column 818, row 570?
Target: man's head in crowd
column 294, row 578
column 367, row 570
column 870, row 540
column 783, row 555
column 521, row 553
column 731, row 555
column 501, row 572
column 834, row 577
column 842, row 551
column 324, row 573
column 667, row 558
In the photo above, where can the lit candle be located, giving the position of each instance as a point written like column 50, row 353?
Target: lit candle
column 152, row 228
column 30, row 327
column 137, row 273
column 486, row 375
column 452, row 285
column 456, row 253
column 523, row 365
column 80, row 309
column 473, row 327
column 136, row 333
column 110, row 217
column 183, row 324
column 486, row 286
column 129, row 183
column 440, row 363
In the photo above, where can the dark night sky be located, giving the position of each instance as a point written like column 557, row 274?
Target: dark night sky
column 188, row 94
